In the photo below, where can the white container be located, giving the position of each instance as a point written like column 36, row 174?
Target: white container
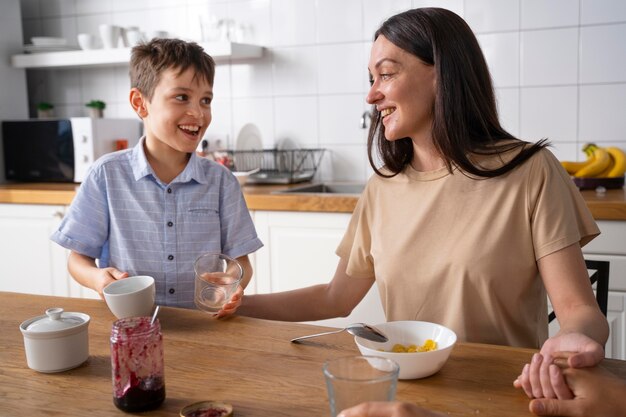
column 57, row 341
column 110, row 35
column 131, row 297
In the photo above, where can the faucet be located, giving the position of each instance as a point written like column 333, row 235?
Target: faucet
column 366, row 114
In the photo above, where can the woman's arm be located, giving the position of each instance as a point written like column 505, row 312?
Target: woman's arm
column 318, row 302
column 583, row 328
column 85, row 271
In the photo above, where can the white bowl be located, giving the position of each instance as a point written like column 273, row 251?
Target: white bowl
column 131, row 297
column 415, row 364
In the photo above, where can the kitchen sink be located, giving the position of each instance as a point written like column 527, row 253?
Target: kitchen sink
column 326, row 188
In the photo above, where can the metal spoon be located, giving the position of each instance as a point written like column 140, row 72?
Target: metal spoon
column 357, row 329
column 156, row 311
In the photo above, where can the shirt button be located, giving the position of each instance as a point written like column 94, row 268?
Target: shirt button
column 169, row 191
column 170, row 224
column 170, row 257
column 172, row 290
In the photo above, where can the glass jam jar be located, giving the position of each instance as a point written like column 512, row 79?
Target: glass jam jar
column 137, row 364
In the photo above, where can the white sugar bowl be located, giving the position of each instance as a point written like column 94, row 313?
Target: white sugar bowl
column 56, row 341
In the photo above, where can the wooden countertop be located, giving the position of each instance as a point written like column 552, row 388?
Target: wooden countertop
column 247, row 362
column 608, row 206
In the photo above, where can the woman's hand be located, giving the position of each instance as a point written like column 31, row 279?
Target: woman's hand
column 388, row 409
column 596, row 393
column 231, row 307
column 535, row 379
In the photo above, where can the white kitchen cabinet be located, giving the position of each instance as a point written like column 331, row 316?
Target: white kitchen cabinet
column 611, row 246
column 222, row 52
column 299, row 251
column 31, row 262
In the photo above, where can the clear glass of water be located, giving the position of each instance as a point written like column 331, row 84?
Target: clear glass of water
column 356, row 379
column 217, row 279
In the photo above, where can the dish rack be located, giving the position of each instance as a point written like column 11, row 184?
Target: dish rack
column 277, row 166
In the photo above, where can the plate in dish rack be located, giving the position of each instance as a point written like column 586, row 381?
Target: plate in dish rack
column 249, row 138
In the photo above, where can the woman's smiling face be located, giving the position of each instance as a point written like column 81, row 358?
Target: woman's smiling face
column 403, row 91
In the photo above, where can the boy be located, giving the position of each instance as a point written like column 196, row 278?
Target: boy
column 152, row 210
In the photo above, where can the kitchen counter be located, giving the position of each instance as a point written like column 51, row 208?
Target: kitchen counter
column 247, row 362
column 608, row 206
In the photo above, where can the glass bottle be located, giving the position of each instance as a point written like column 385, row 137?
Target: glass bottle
column 137, row 364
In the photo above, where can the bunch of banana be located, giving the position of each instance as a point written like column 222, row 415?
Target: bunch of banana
column 601, row 162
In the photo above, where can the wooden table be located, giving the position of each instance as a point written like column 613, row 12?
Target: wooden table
column 247, row 362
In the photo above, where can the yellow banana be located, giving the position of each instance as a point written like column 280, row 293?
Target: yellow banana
column 601, row 160
column 619, row 157
column 572, row 167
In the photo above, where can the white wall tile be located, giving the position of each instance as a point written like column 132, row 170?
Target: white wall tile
column 222, row 85
column 341, row 68
column 508, row 109
column 171, row 19
column 295, row 70
column 567, row 151
column 125, row 5
column 96, row 85
column 259, row 111
column 375, row 12
column 296, row 118
column 30, row 28
column 602, row 110
column 63, row 27
column 252, row 79
column 603, row 54
column 89, row 23
column 29, row 9
column 602, row 11
column 548, row 14
column 453, row 5
column 549, row 112
column 339, row 21
column 54, row 8
column 255, row 15
column 501, row 52
column 221, row 125
column 64, row 86
column 293, row 22
column 549, row 57
column 492, row 15
column 93, row 6
column 344, row 163
column 339, row 117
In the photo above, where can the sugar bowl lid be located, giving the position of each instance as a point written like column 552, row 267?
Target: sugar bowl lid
column 54, row 321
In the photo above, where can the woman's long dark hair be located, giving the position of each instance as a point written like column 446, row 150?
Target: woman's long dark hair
column 465, row 117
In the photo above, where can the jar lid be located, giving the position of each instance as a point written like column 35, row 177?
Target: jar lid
column 55, row 320
column 207, row 409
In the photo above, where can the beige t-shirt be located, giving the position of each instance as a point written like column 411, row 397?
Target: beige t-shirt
column 462, row 252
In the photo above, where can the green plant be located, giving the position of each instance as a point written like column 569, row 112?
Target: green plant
column 96, row 104
column 45, row 106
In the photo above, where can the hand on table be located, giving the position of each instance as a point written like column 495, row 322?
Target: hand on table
column 535, row 378
column 231, row 307
column 596, row 393
column 388, row 409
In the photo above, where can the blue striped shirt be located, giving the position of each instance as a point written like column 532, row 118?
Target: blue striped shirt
column 125, row 217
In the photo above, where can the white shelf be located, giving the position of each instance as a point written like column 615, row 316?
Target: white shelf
column 222, row 52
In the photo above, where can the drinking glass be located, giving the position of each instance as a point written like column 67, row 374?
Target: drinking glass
column 356, row 379
column 217, row 279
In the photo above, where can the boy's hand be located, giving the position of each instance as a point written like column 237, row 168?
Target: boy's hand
column 105, row 276
column 231, row 306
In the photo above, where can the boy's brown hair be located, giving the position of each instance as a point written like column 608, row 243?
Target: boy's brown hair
column 149, row 60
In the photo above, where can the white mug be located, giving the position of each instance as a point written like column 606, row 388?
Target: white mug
column 110, row 35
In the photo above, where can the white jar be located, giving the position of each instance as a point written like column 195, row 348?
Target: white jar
column 57, row 341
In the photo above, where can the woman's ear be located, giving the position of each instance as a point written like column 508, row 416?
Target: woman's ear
column 138, row 102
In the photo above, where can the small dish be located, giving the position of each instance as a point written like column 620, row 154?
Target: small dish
column 207, row 409
column 48, row 41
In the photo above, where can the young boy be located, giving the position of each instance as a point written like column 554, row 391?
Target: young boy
column 152, row 210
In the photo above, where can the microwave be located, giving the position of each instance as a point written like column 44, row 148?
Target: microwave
column 62, row 150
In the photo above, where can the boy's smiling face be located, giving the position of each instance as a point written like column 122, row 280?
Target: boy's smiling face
column 179, row 112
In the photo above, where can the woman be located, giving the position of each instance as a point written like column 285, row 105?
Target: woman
column 463, row 224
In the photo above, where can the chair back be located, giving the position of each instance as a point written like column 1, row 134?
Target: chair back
column 600, row 277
